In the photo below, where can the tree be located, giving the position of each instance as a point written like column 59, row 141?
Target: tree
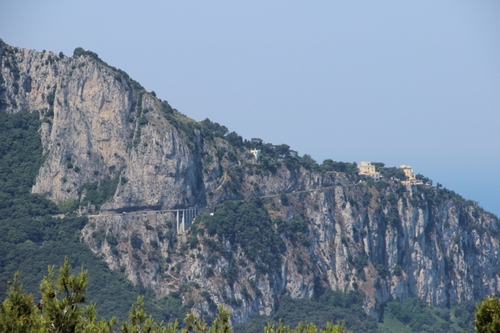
column 235, row 140
column 283, row 150
column 213, row 129
column 308, row 162
column 58, row 311
column 17, row 312
column 327, row 165
column 61, row 311
column 220, row 324
column 284, row 199
column 140, row 322
column 378, row 165
column 488, row 316
column 305, row 328
column 61, row 299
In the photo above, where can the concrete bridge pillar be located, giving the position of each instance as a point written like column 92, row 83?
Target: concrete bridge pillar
column 184, row 218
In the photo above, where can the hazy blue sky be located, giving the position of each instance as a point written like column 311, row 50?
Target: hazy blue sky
column 401, row 82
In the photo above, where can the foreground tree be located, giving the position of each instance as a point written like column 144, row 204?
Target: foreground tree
column 61, row 299
column 306, row 328
column 17, row 312
column 61, row 310
column 488, row 316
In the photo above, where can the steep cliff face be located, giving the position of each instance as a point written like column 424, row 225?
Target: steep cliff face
column 273, row 226
column 98, row 124
column 422, row 242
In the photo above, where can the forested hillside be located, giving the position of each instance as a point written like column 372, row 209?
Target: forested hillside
column 96, row 168
column 31, row 239
column 62, row 308
column 63, row 297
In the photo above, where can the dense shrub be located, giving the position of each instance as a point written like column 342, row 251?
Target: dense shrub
column 97, row 193
column 249, row 225
column 31, row 239
column 415, row 314
column 333, row 306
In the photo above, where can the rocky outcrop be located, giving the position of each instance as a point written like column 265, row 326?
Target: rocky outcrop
column 102, row 130
column 98, row 125
column 424, row 242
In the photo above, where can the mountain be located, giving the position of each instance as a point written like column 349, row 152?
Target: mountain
column 188, row 209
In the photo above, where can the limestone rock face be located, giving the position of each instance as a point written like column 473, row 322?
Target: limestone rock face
column 443, row 253
column 100, row 127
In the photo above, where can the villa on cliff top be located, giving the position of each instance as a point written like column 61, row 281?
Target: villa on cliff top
column 366, row 169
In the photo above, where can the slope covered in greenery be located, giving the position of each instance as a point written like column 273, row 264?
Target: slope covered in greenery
column 64, row 307
column 411, row 316
column 333, row 306
column 414, row 315
column 31, row 239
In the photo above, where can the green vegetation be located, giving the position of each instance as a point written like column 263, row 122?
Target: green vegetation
column 488, row 316
column 393, row 172
column 119, row 74
column 7, row 55
column 50, row 100
column 414, row 315
column 29, row 245
column 61, row 310
column 143, row 120
column 249, row 225
column 31, row 239
column 20, row 154
column 272, row 156
column 185, row 124
column 332, row 306
column 329, row 165
column 284, row 199
column 212, row 130
column 172, row 308
column 411, row 316
column 305, row 327
column 97, row 193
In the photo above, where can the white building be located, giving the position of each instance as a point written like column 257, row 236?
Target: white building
column 255, row 152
